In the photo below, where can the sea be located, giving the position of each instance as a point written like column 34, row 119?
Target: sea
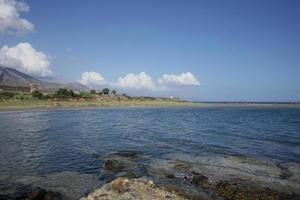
column 66, row 150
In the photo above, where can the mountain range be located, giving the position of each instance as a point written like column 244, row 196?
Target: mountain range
column 11, row 78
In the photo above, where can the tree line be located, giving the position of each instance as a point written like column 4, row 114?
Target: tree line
column 61, row 93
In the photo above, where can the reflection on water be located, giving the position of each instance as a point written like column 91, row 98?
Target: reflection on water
column 50, row 148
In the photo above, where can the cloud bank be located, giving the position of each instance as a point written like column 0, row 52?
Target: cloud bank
column 177, row 80
column 10, row 16
column 140, row 81
column 136, row 81
column 92, row 79
column 25, row 58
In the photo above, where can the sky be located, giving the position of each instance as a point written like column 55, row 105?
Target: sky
column 203, row 50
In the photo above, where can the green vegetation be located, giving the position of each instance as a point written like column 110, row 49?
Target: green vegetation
column 105, row 91
column 93, row 92
column 7, row 95
column 37, row 94
column 64, row 94
column 69, row 99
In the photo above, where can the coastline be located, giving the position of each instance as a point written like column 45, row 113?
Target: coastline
column 40, row 105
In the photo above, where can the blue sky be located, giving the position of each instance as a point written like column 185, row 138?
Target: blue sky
column 234, row 50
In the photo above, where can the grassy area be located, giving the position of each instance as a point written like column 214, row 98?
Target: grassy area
column 68, row 99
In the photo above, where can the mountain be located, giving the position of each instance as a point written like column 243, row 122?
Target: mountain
column 12, row 79
column 75, row 86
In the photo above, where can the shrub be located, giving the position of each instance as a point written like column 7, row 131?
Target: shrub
column 105, row 91
column 63, row 93
column 7, row 95
column 37, row 94
column 93, row 91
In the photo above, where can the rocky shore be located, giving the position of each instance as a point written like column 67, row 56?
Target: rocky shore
column 180, row 179
column 142, row 189
column 125, row 189
column 132, row 175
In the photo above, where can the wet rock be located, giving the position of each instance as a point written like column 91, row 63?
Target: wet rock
column 130, row 175
column 124, row 188
column 180, row 165
column 114, row 165
column 41, row 194
column 122, row 161
column 187, row 193
column 242, row 190
column 198, row 179
column 130, row 154
column 70, row 185
column 169, row 175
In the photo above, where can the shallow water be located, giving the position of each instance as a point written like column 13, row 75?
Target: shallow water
column 55, row 149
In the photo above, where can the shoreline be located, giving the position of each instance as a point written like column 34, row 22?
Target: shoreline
column 78, row 106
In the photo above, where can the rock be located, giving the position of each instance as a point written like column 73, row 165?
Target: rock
column 129, row 154
column 70, row 185
column 169, row 175
column 41, row 194
column 114, row 165
column 187, row 193
column 130, row 175
column 198, row 179
column 120, row 185
column 237, row 189
column 180, row 165
column 125, row 189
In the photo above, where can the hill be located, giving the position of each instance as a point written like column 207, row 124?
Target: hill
column 14, row 80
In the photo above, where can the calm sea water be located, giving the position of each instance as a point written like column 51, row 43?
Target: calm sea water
column 52, row 147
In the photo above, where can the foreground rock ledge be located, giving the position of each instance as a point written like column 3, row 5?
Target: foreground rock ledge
column 125, row 189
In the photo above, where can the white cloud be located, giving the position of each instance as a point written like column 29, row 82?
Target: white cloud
column 92, row 79
column 141, row 82
column 26, row 59
column 10, row 16
column 136, row 81
column 176, row 80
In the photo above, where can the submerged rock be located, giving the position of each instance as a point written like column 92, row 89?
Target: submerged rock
column 122, row 161
column 42, row 194
column 130, row 154
column 125, row 189
column 169, row 175
column 131, row 175
column 198, row 179
column 114, row 165
column 241, row 190
column 70, row 185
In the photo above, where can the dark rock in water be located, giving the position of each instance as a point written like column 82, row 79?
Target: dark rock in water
column 180, row 165
column 198, row 179
column 129, row 154
column 114, row 165
column 186, row 193
column 122, row 161
column 41, row 194
column 130, row 175
column 242, row 190
column 169, row 175
column 71, row 185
